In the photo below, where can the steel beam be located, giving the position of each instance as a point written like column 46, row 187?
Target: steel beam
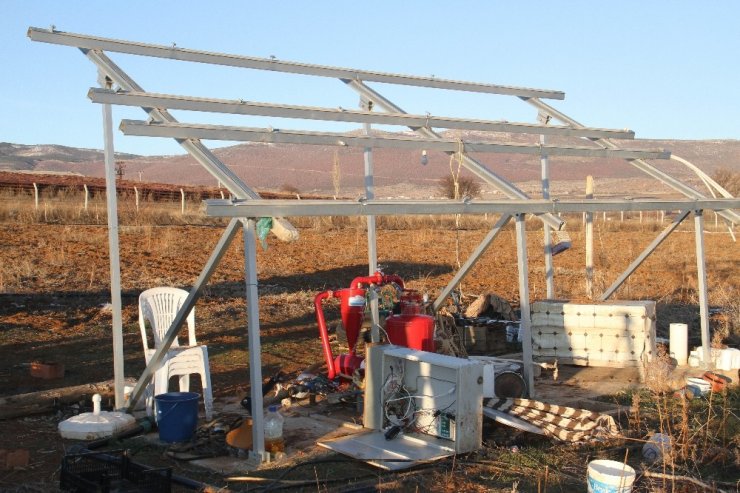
column 174, row 52
column 372, row 245
column 525, row 319
column 113, row 249
column 475, row 167
column 546, row 230
column 701, row 273
column 472, row 260
column 645, row 254
column 182, row 313
column 253, row 337
column 638, row 163
column 589, row 234
column 286, row 208
column 241, row 107
column 278, row 136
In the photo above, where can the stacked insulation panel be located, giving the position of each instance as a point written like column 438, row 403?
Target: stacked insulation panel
column 615, row 334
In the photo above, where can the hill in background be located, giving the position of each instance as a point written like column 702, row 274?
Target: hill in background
column 398, row 173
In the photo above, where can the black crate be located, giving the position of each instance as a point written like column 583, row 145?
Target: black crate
column 113, row 471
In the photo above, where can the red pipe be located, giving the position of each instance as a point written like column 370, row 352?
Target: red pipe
column 378, row 278
column 324, row 332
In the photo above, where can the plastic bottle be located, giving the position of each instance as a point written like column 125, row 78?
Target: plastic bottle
column 274, row 442
column 657, row 447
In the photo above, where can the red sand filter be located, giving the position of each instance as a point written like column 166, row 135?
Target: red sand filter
column 412, row 330
column 352, row 310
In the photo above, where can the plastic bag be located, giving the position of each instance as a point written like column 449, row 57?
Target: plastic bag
column 264, row 225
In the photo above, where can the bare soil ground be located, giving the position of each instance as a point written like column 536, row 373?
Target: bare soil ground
column 54, row 291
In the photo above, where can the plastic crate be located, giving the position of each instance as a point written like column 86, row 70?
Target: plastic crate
column 111, row 471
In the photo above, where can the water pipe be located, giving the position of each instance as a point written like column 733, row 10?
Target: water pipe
column 378, row 278
column 324, row 332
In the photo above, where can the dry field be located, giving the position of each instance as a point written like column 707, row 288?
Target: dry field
column 54, row 287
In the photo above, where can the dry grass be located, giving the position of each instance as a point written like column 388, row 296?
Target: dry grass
column 704, row 432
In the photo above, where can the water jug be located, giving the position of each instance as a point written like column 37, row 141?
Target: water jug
column 274, row 442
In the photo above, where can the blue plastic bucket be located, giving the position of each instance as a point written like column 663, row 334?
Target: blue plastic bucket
column 177, row 415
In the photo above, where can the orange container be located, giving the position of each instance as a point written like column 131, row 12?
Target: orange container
column 47, row 370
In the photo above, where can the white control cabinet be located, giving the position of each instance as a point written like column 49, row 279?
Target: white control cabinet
column 419, row 407
column 441, row 396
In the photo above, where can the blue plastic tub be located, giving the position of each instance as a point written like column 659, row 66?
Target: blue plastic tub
column 177, row 415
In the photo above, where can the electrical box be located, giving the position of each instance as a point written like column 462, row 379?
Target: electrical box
column 419, row 406
column 426, row 393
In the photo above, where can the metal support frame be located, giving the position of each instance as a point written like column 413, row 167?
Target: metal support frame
column 701, row 273
column 285, row 208
column 645, row 254
column 524, row 308
column 182, row 313
column 249, row 206
column 115, row 262
column 253, row 335
column 471, row 261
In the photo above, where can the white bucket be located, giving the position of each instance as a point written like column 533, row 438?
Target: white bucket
column 679, row 337
column 609, row 476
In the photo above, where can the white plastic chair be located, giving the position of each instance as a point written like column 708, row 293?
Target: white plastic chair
column 159, row 306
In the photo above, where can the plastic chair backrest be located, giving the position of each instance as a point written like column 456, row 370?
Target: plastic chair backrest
column 159, row 306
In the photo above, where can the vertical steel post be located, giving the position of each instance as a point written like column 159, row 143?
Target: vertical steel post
column 701, row 273
column 372, row 247
column 590, row 240
column 115, row 263
column 253, row 338
column 546, row 230
column 522, row 263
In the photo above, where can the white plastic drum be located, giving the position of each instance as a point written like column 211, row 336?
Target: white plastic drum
column 679, row 343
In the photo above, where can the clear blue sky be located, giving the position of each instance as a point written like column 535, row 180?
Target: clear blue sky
column 666, row 69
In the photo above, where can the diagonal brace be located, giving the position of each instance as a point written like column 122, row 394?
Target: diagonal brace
column 641, row 258
column 472, row 260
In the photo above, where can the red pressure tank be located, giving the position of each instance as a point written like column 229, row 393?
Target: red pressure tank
column 412, row 330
